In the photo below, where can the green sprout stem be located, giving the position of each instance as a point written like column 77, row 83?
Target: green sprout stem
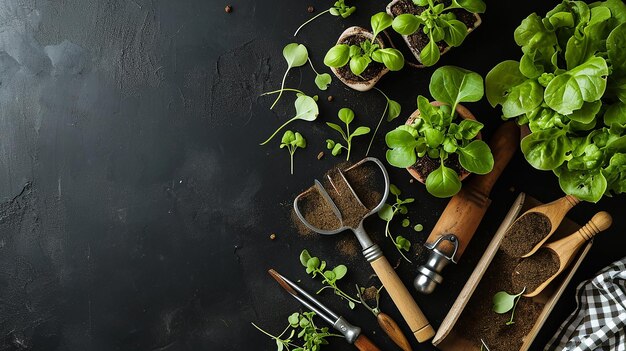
column 379, row 122
column 292, row 150
column 335, row 288
column 314, row 70
column 396, row 208
column 309, row 21
column 279, row 128
column 517, row 298
column 282, row 86
column 375, row 310
column 277, row 338
column 285, row 89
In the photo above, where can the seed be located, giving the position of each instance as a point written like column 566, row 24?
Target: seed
column 310, row 9
column 228, row 9
column 411, row 180
column 320, row 155
column 272, row 236
column 330, row 98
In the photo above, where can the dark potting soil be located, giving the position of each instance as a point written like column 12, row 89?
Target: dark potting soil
column 525, row 233
column 418, row 39
column 478, row 321
column 372, row 70
column 426, row 165
column 363, row 180
column 534, row 270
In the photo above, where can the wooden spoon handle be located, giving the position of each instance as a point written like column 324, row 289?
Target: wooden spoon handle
column 420, row 327
column 601, row 221
column 364, row 344
column 391, row 328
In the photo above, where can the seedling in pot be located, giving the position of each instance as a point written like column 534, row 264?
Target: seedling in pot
column 392, row 111
column 339, row 9
column 437, row 23
column 360, row 56
column 504, row 302
column 346, row 115
column 296, row 55
column 388, row 212
column 435, row 134
column 316, row 267
column 311, row 336
column 306, row 110
column 292, row 141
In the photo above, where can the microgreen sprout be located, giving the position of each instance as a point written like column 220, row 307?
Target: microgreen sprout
column 306, row 109
column 504, row 302
column 292, row 141
column 346, row 115
column 315, row 266
column 296, row 55
column 311, row 335
column 339, row 8
column 321, row 80
column 392, row 110
column 360, row 56
column 387, row 214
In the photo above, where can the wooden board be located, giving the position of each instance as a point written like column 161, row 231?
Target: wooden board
column 446, row 339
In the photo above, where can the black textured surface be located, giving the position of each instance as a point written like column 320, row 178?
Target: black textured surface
column 136, row 203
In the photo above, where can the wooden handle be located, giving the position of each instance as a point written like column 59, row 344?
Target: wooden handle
column 421, row 329
column 364, row 344
column 503, row 145
column 391, row 328
column 601, row 221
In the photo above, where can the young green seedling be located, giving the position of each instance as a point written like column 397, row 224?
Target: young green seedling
column 315, row 266
column 437, row 23
column 292, row 141
column 392, row 110
column 311, row 336
column 339, row 8
column 504, row 302
column 346, row 115
column 435, row 134
column 306, row 110
column 321, row 80
column 296, row 55
column 388, row 212
column 360, row 56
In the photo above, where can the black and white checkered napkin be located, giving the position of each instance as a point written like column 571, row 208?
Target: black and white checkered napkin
column 599, row 321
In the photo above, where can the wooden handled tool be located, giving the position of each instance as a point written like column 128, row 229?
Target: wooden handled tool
column 566, row 248
column 464, row 212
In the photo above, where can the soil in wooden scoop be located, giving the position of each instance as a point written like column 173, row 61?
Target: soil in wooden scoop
column 425, row 165
column 372, row 70
column 419, row 40
column 318, row 212
column 478, row 321
column 534, row 270
column 526, row 232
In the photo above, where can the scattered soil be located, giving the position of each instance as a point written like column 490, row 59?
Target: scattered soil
column 317, row 211
column 349, row 247
column 418, row 40
column 272, row 236
column 478, row 321
column 425, row 165
column 372, row 70
column 534, row 270
column 525, row 233
column 302, row 230
column 370, row 294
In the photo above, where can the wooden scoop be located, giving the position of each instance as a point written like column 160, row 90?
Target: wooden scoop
column 567, row 247
column 555, row 211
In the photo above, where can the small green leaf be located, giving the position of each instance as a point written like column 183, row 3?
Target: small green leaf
column 503, row 302
column 443, row 182
column 294, row 319
column 394, row 190
column 380, row 22
column 340, row 271
column 337, row 56
column 313, row 263
column 360, row 131
column 386, row 213
column 406, row 24
column 330, row 275
column 418, row 227
column 336, row 149
column 322, row 81
column 393, row 110
column 346, row 115
column 406, row 223
column 430, row 54
column 304, row 257
column 351, row 305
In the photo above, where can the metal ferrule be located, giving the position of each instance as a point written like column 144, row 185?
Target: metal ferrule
column 348, row 330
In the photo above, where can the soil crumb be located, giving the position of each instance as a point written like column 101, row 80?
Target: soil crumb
column 534, row 270
column 525, row 233
column 349, row 247
column 370, row 293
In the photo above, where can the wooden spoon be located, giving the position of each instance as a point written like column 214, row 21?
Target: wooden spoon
column 555, row 211
column 567, row 247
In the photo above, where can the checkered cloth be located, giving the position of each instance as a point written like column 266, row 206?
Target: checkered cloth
column 599, row 321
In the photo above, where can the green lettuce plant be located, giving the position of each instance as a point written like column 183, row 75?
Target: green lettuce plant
column 438, row 24
column 360, row 56
column 569, row 87
column 436, row 134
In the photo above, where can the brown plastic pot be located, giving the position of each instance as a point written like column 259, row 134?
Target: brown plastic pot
column 361, row 85
column 416, row 51
column 462, row 112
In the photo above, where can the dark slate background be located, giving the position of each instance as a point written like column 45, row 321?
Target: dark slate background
column 136, row 203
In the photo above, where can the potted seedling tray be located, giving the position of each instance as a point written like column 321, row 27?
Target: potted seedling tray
column 471, row 318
